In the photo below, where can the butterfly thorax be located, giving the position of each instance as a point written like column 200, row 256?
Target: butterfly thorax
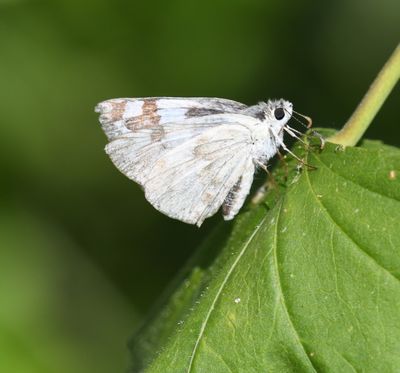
column 265, row 143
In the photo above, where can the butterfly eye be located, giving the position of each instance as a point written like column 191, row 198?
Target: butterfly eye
column 279, row 113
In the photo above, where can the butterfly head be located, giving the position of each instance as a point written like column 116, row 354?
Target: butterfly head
column 278, row 112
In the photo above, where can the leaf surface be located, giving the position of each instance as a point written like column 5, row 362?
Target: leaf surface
column 305, row 282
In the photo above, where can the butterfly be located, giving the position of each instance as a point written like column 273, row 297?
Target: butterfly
column 193, row 155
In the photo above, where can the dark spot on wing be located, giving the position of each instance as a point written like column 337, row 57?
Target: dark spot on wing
column 260, row 114
column 228, row 202
column 201, row 112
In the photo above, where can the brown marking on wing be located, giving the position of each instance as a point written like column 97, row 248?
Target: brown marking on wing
column 200, row 150
column 117, row 111
column 157, row 134
column 149, row 117
column 207, row 198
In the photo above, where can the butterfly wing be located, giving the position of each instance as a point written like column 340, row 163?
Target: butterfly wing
column 191, row 181
column 142, row 130
column 121, row 116
column 237, row 195
column 187, row 153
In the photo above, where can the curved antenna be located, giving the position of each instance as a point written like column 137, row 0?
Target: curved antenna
column 309, row 124
column 308, row 119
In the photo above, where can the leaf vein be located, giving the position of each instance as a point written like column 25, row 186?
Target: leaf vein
column 211, row 309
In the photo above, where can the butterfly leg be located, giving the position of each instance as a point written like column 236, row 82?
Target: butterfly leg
column 321, row 139
column 270, row 179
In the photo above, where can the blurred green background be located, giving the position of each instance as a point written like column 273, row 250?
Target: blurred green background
column 82, row 254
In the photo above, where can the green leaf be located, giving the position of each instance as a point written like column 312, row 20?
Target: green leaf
column 307, row 281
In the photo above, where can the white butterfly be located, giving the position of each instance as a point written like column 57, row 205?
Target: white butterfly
column 192, row 155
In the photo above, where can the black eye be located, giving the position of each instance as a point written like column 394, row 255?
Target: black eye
column 279, row 113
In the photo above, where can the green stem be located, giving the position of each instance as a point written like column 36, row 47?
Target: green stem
column 383, row 84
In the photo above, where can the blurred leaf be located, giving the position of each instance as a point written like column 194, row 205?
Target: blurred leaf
column 310, row 285
column 58, row 313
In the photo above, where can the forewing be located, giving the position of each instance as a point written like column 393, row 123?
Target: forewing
column 141, row 130
column 191, row 181
column 122, row 116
